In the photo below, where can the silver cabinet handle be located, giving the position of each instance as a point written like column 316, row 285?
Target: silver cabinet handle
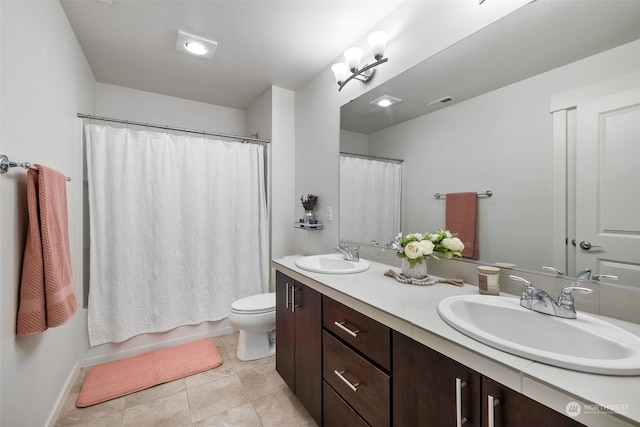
column 459, row 419
column 340, row 375
column 347, row 330
column 586, row 245
column 286, row 295
column 491, row 404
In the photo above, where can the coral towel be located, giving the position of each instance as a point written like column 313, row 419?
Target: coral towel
column 462, row 211
column 47, row 296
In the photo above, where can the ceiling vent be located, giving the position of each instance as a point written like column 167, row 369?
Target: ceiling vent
column 444, row 100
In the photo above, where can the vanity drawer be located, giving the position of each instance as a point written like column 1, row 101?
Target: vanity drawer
column 336, row 412
column 368, row 336
column 366, row 388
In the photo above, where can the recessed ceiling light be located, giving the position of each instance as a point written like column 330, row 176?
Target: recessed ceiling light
column 385, row 101
column 195, row 45
column 196, row 48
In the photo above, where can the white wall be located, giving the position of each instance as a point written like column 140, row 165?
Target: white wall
column 45, row 82
column 282, row 170
column 354, row 142
column 417, row 31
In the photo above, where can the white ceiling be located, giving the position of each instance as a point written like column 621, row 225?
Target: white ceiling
column 131, row 43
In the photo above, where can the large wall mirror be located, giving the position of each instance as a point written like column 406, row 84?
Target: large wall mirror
column 497, row 133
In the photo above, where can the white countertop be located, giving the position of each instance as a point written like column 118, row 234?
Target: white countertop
column 412, row 310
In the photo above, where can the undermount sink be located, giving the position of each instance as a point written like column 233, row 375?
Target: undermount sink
column 585, row 344
column 331, row 264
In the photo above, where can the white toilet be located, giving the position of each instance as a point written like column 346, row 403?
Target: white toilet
column 255, row 316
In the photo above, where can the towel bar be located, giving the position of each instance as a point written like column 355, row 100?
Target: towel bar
column 6, row 164
column 487, row 193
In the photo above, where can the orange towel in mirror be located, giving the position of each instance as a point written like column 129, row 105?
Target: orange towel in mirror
column 461, row 218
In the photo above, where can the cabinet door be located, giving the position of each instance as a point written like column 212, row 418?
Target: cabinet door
column 515, row 409
column 425, row 390
column 308, row 349
column 285, row 338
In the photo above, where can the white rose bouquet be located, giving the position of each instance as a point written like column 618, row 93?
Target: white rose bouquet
column 414, row 247
column 447, row 243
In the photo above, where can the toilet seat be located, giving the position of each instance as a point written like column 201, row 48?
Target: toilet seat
column 255, row 304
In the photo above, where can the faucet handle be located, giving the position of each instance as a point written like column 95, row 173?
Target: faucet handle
column 553, row 269
column 520, row 279
column 566, row 299
column 527, row 289
column 599, row 277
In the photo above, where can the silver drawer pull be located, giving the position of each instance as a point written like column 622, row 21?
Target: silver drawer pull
column 340, row 375
column 459, row 418
column 347, row 330
column 491, row 403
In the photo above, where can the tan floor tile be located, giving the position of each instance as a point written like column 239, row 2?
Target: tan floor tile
column 70, row 415
column 108, row 420
column 167, row 411
column 77, row 385
column 215, row 397
column 225, row 370
column 241, row 365
column 261, row 381
column 153, row 393
column 242, row 416
column 282, row 410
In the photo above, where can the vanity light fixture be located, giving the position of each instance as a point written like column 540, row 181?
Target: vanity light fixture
column 385, row 101
column 346, row 71
column 195, row 45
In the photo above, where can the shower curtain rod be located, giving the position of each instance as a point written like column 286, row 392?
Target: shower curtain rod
column 244, row 139
column 365, row 156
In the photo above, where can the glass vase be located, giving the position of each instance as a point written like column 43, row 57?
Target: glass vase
column 309, row 216
column 419, row 271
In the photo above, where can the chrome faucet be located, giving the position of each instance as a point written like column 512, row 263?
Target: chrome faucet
column 348, row 254
column 540, row 301
column 585, row 273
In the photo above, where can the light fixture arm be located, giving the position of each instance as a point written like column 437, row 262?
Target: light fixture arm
column 359, row 74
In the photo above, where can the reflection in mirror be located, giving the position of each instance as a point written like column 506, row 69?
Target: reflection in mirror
column 498, row 132
column 370, row 189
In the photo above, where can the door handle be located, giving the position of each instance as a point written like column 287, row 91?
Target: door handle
column 492, row 402
column 586, row 245
column 459, row 418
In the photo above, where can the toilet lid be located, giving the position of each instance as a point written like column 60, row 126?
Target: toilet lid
column 256, row 303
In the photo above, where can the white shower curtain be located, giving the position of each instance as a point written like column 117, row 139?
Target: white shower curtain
column 178, row 229
column 370, row 197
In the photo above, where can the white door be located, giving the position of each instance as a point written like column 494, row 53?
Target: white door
column 608, row 186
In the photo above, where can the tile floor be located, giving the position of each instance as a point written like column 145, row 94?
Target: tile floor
column 238, row 394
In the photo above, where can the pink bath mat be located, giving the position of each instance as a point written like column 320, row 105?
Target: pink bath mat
column 121, row 377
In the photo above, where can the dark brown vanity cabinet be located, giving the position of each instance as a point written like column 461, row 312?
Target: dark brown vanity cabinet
column 350, row 370
column 511, row 408
column 299, row 341
column 430, row 389
column 356, row 354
